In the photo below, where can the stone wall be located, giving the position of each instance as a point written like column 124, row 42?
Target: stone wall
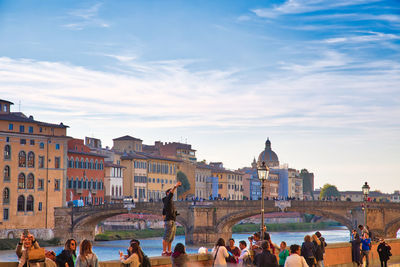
column 44, row 234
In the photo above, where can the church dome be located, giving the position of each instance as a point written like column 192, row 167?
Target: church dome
column 269, row 156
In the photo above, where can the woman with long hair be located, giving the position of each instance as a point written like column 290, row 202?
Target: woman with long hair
column 307, row 251
column 86, row 256
column 220, row 253
column 67, row 257
column 179, row 257
column 135, row 255
column 319, row 256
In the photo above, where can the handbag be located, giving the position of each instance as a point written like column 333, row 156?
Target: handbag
column 36, row 254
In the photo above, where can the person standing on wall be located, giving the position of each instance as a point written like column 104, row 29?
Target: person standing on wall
column 169, row 214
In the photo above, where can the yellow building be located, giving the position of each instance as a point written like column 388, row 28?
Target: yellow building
column 230, row 183
column 33, row 152
column 147, row 176
column 161, row 173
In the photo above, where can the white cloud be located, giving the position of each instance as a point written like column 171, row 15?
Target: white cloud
column 88, row 17
column 305, row 6
column 370, row 37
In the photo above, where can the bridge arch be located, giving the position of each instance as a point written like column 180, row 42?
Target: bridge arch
column 392, row 227
column 226, row 223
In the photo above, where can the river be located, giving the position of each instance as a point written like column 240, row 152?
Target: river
column 108, row 250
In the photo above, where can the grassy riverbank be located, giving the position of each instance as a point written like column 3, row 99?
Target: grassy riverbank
column 138, row 234
column 284, row 227
column 239, row 228
column 7, row 244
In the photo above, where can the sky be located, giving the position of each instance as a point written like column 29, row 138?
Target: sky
column 319, row 78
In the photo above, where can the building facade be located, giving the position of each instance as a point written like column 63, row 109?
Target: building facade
column 85, row 174
column 34, row 164
column 295, row 184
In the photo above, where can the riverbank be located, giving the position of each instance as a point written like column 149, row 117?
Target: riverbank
column 7, row 244
column 238, row 228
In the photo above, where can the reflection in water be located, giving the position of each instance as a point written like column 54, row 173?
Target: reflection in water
column 108, row 250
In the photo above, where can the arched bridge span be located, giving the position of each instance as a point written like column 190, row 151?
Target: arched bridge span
column 204, row 222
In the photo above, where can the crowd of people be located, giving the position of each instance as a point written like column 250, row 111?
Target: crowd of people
column 257, row 251
column 260, row 252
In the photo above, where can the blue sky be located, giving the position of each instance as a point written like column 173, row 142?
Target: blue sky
column 320, row 78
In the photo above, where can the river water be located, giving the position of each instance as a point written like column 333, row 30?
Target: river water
column 108, row 250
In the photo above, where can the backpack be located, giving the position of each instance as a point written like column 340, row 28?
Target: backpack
column 247, row 262
column 145, row 262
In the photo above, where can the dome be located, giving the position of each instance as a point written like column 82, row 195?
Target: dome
column 269, row 156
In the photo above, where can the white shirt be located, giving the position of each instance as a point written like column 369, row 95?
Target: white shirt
column 243, row 255
column 295, row 260
column 221, row 255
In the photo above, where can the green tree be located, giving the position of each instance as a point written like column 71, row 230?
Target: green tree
column 181, row 177
column 329, row 191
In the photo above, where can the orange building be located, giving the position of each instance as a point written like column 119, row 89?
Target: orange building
column 85, row 174
column 34, row 170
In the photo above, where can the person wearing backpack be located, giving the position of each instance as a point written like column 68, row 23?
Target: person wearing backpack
column 245, row 257
column 365, row 248
column 136, row 256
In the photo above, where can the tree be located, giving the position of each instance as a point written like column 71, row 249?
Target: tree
column 329, row 191
column 181, row 177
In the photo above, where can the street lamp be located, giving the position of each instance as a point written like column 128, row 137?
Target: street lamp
column 262, row 172
column 365, row 190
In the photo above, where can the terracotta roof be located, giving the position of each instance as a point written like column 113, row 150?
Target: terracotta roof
column 20, row 117
column 109, row 164
column 127, row 137
column 2, row 100
column 86, row 153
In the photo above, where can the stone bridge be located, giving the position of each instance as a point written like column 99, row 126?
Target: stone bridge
column 205, row 222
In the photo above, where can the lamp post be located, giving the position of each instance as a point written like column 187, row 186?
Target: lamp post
column 365, row 190
column 262, row 172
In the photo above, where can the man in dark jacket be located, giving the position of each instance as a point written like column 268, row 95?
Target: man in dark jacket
column 169, row 214
column 265, row 259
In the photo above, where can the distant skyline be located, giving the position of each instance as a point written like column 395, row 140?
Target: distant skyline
column 320, row 78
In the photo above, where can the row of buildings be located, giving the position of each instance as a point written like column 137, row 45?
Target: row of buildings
column 44, row 168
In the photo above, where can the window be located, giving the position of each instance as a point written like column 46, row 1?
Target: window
column 21, row 181
column 30, row 181
column 85, row 184
column 77, row 163
column 57, row 185
column 21, row 203
column 22, row 141
column 40, row 184
column 74, row 183
column 22, row 159
column 30, row 129
column 96, row 165
column 82, row 164
column 7, row 152
column 87, row 164
column 57, row 146
column 5, row 214
column 41, row 162
column 10, row 126
column 57, row 162
column 40, row 129
column 32, row 142
column 21, row 128
column 6, row 196
column 7, row 173
column 7, row 139
column 80, row 182
column 40, row 206
column 29, row 203
column 31, row 159
column 112, row 190
column 41, row 145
